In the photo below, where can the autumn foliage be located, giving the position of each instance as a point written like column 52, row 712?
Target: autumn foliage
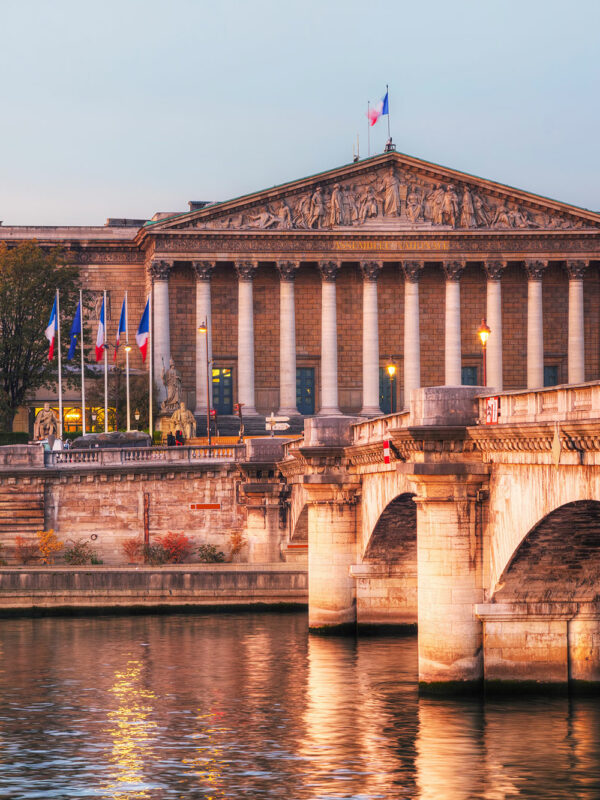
column 48, row 545
column 177, row 546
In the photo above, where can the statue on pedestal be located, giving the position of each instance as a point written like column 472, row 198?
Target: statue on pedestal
column 183, row 420
column 172, row 382
column 46, row 423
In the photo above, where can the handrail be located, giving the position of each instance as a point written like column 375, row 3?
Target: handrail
column 108, row 456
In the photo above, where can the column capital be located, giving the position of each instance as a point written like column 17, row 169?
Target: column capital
column 494, row 269
column 535, row 268
column 412, row 270
column 371, row 269
column 159, row 270
column 329, row 270
column 287, row 269
column 453, row 270
column 576, row 269
column 246, row 269
column 203, row 270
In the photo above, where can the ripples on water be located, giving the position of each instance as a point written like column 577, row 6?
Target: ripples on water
column 249, row 706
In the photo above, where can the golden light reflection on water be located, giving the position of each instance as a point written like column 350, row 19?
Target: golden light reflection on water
column 207, row 762
column 131, row 733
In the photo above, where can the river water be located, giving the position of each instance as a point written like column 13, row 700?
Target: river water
column 249, row 706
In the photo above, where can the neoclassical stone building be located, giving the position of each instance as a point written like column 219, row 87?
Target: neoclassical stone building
column 311, row 287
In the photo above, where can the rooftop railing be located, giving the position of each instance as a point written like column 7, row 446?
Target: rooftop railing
column 143, row 455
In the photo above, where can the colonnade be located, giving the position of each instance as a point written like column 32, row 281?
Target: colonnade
column 412, row 270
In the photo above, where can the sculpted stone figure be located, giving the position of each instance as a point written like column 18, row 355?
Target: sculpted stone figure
column 336, row 206
column 265, row 219
column 317, row 209
column 414, row 205
column 46, row 423
column 481, row 213
column 450, row 206
column 183, row 420
column 303, row 212
column 437, row 205
column 352, row 206
column 501, row 218
column 391, row 195
column 368, row 205
column 172, row 381
column 467, row 214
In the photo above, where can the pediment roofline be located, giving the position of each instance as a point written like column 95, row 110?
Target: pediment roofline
column 430, row 169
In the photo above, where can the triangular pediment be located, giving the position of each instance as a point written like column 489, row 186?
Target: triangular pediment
column 390, row 192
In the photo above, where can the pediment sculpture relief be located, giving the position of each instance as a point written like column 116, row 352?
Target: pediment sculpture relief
column 393, row 198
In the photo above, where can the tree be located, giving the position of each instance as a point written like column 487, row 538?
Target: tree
column 29, row 278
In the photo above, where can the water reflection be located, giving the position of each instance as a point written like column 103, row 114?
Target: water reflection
column 227, row 706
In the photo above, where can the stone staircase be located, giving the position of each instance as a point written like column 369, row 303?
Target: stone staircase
column 21, row 512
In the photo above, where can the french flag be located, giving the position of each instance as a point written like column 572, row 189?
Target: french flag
column 101, row 337
column 51, row 331
column 122, row 327
column 380, row 110
column 143, row 331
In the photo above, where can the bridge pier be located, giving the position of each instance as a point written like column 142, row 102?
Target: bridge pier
column 450, row 579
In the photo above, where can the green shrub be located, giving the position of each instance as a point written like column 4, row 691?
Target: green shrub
column 208, row 554
column 155, row 554
column 13, row 438
column 80, row 552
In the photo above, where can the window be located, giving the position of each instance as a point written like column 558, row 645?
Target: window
column 222, row 390
column 551, row 375
column 387, row 392
column 305, row 390
column 469, row 376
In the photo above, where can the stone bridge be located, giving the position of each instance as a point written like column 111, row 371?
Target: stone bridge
column 485, row 535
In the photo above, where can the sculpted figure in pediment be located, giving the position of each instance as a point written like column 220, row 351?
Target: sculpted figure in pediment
column 285, row 216
column 467, row 214
column 436, row 205
column 368, row 204
column 336, row 206
column 302, row 212
column 482, row 219
column 317, row 209
column 391, row 195
column 264, row 219
column 414, row 205
column 353, row 213
column 450, row 207
column 501, row 218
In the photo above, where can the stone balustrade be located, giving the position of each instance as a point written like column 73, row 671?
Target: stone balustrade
column 375, row 430
column 130, row 455
column 556, row 404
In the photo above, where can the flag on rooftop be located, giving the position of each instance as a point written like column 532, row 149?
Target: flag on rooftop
column 380, row 110
column 75, row 329
column 143, row 331
column 122, row 327
column 101, row 336
column 51, row 331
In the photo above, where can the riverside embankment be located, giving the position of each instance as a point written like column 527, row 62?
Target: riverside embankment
column 85, row 589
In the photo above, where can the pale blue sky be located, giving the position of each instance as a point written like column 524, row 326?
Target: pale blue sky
column 127, row 108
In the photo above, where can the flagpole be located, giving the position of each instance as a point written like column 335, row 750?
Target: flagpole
column 105, row 369
column 368, row 129
column 387, row 94
column 150, row 371
column 82, row 362
column 127, row 361
column 60, row 402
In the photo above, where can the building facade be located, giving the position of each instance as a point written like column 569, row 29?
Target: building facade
column 311, row 288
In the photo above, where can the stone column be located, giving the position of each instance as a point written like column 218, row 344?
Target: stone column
column 245, row 377
column 449, row 559
column 287, row 338
column 535, row 324
column 203, row 271
column 159, row 275
column 493, row 315
column 329, row 365
column 412, row 335
column 576, row 270
column 370, row 343
column 453, row 375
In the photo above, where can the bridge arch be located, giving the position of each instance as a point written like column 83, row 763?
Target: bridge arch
column 558, row 560
column 394, row 537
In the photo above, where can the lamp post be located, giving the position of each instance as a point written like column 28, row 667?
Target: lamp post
column 94, row 418
column 127, row 351
column 391, row 371
column 484, row 333
column 203, row 328
column 137, row 418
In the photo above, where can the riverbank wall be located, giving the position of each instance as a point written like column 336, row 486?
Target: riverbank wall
column 88, row 589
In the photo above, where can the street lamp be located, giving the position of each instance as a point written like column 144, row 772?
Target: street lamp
column 484, row 333
column 127, row 351
column 203, row 328
column 94, row 418
column 137, row 415
column 391, row 371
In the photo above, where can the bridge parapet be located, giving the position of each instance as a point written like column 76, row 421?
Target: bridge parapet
column 568, row 403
